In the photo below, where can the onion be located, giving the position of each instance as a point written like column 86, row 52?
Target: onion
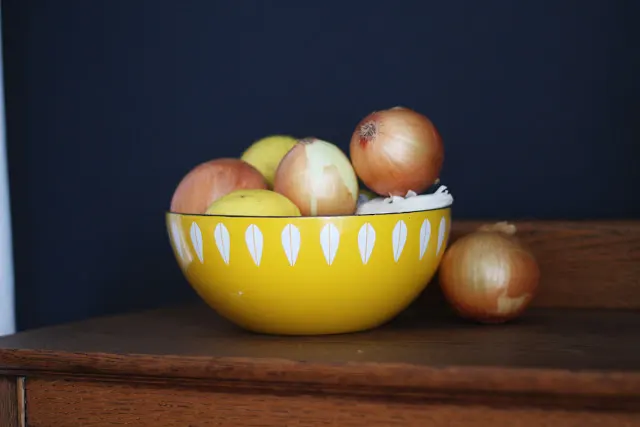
column 211, row 180
column 395, row 151
column 318, row 177
column 488, row 275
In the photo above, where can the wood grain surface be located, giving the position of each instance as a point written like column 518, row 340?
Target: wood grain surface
column 9, row 409
column 550, row 352
column 55, row 403
column 588, row 264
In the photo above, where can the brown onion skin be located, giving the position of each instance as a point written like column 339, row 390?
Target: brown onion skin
column 294, row 180
column 466, row 279
column 397, row 150
column 211, row 180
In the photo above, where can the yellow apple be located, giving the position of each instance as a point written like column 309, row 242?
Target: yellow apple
column 266, row 154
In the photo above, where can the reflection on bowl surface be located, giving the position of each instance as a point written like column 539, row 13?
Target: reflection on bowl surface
column 309, row 275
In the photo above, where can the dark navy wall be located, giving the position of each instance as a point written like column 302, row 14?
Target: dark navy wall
column 111, row 102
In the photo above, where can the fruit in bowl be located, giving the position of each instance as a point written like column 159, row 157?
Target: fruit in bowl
column 261, row 202
column 315, row 254
column 209, row 181
column 318, row 177
column 266, row 154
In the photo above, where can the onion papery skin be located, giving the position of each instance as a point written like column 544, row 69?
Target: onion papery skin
column 397, row 150
column 208, row 181
column 489, row 276
column 318, row 177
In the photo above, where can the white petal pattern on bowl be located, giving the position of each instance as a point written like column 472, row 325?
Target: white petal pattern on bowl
column 399, row 236
column 177, row 239
column 425, row 235
column 196, row 241
column 223, row 242
column 184, row 254
column 291, row 243
column 253, row 237
column 330, row 240
column 366, row 241
column 441, row 232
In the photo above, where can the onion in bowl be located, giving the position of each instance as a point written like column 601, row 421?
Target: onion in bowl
column 318, row 177
column 211, row 180
column 396, row 151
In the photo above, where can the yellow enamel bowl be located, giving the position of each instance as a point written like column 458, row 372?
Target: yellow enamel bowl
column 309, row 275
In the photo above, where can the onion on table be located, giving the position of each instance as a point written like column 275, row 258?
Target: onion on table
column 396, row 151
column 488, row 275
column 318, row 177
column 209, row 181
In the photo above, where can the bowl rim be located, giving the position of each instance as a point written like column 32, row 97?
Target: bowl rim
column 306, row 218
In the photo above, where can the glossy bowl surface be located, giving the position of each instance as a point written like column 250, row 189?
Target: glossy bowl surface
column 309, row 275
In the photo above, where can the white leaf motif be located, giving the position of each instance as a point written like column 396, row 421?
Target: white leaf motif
column 184, row 254
column 425, row 235
column 177, row 239
column 366, row 240
column 399, row 236
column 196, row 240
column 254, row 239
column 441, row 231
column 291, row 243
column 223, row 242
column 329, row 240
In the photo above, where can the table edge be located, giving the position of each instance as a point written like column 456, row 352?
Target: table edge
column 348, row 377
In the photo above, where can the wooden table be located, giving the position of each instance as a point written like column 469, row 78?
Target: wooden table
column 185, row 366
